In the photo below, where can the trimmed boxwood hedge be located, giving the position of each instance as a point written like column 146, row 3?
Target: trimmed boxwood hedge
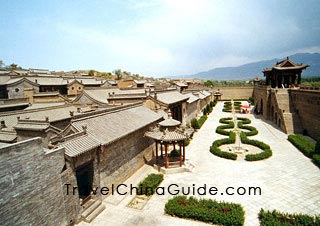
column 229, row 125
column 275, row 218
column 201, row 120
column 149, row 184
column 303, row 144
column 316, row 159
column 252, row 130
column 266, row 151
column 206, row 210
column 214, row 149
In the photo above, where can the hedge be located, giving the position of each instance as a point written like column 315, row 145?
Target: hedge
column 229, row 125
column 201, row 120
column 303, row 144
column 266, row 151
column 195, row 123
column 214, row 149
column 206, row 210
column 149, row 184
column 275, row 218
column 252, row 130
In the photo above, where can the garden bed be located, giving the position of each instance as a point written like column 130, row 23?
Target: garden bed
column 206, row 210
column 276, row 218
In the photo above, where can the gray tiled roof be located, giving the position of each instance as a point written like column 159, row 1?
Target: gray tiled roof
column 111, row 126
column 166, row 136
column 170, row 97
column 79, row 145
column 192, row 98
column 54, row 113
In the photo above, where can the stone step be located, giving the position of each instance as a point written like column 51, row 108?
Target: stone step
column 90, row 209
column 95, row 213
column 88, row 204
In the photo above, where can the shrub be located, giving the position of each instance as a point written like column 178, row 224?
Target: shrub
column 194, row 123
column 317, row 147
column 303, row 144
column 149, row 184
column 252, row 130
column 204, row 111
column 266, row 151
column 214, row 149
column 206, row 210
column 284, row 219
column 316, row 159
column 201, row 120
column 186, row 142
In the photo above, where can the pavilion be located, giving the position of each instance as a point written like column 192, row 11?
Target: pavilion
column 168, row 135
column 284, row 74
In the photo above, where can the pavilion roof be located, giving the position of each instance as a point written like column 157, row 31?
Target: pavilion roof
column 169, row 122
column 286, row 64
column 166, row 135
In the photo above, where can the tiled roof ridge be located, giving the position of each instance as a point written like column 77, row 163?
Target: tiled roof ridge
column 34, row 110
column 98, row 113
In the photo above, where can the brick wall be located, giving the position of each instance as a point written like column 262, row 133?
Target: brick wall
column 30, row 185
column 234, row 92
column 119, row 160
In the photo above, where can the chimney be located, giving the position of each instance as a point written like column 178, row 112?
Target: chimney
column 84, row 128
column 47, row 119
column 78, row 110
column 2, row 124
column 37, row 81
column 71, row 113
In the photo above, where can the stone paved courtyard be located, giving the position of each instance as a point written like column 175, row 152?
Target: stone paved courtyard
column 289, row 181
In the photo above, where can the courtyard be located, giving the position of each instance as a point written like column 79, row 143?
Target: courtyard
column 288, row 180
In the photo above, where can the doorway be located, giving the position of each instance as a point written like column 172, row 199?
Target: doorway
column 85, row 180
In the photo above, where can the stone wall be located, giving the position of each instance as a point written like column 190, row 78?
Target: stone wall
column 307, row 106
column 230, row 92
column 30, row 185
column 192, row 110
column 119, row 160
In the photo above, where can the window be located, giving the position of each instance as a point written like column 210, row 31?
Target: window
column 17, row 90
column 79, row 88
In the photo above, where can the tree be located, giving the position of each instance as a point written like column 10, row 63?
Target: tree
column 91, row 73
column 13, row 66
column 118, row 74
column 1, row 63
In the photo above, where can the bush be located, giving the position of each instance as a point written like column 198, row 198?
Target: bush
column 214, row 149
column 194, row 123
column 252, row 130
column 206, row 210
column 284, row 219
column 201, row 120
column 186, row 142
column 317, row 147
column 316, row 159
column 266, row 151
column 204, row 111
column 149, row 184
column 303, row 144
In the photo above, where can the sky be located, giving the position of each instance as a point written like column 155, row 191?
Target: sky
column 155, row 38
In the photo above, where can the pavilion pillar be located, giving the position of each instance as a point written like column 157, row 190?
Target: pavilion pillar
column 157, row 152
column 166, row 158
column 180, row 155
column 161, row 150
column 299, row 78
column 174, row 146
column 184, row 152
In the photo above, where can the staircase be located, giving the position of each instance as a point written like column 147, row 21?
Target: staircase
column 92, row 208
column 291, row 120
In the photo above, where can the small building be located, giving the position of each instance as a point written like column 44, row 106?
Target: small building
column 169, row 100
column 284, row 74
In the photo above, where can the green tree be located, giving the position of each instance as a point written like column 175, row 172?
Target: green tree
column 91, row 73
column 118, row 74
column 13, row 66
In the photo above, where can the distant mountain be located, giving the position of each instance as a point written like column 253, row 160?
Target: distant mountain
column 251, row 70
